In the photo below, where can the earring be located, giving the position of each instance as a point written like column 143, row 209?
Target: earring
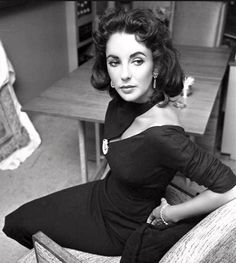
column 112, row 85
column 155, row 74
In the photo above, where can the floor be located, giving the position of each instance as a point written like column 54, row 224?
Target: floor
column 53, row 166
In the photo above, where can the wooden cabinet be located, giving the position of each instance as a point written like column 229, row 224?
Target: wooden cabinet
column 80, row 18
column 228, row 145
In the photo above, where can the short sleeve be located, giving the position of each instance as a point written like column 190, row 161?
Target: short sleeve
column 178, row 152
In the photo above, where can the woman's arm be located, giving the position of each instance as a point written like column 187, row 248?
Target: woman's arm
column 179, row 153
column 203, row 203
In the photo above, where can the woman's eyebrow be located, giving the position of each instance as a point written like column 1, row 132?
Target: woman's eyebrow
column 131, row 56
column 112, row 56
column 137, row 53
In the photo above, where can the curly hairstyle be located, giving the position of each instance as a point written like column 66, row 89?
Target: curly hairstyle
column 148, row 29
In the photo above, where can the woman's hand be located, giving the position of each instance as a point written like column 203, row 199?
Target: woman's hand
column 159, row 215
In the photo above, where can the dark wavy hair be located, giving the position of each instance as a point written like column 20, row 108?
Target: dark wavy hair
column 148, row 29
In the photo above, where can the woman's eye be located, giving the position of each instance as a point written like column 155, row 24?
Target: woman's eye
column 113, row 63
column 138, row 62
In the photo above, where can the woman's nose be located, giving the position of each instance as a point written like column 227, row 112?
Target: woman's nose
column 125, row 74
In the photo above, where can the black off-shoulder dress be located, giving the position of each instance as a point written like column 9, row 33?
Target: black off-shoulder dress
column 105, row 216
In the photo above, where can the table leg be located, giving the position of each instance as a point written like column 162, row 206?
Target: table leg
column 98, row 143
column 82, row 151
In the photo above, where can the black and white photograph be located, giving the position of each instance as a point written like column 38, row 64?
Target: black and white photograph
column 117, row 131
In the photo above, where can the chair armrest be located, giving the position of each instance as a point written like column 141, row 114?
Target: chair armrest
column 212, row 240
column 47, row 250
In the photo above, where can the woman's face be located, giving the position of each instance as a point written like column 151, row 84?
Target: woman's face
column 130, row 67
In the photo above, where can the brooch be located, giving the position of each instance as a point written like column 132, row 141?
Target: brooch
column 105, row 146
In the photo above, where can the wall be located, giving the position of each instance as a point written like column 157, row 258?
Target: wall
column 150, row 4
column 34, row 37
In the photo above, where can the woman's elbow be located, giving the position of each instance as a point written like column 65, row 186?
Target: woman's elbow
column 229, row 195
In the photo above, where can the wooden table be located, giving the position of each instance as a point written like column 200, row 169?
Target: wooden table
column 74, row 97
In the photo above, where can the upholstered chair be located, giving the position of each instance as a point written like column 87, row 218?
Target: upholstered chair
column 212, row 240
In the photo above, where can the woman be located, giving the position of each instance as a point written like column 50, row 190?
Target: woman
column 145, row 146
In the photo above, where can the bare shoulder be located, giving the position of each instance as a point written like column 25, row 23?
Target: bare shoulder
column 165, row 116
column 154, row 117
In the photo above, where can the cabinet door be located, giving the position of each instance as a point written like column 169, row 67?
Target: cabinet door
column 229, row 130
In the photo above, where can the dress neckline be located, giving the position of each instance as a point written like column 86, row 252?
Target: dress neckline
column 159, row 127
column 120, row 115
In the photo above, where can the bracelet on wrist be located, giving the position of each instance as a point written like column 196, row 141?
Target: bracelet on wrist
column 161, row 214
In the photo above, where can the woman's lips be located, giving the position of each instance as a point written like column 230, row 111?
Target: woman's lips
column 127, row 89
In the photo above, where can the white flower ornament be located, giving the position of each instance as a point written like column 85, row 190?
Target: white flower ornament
column 105, row 146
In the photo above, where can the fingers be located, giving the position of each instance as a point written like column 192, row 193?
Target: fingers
column 154, row 222
column 153, row 219
column 157, row 223
column 150, row 218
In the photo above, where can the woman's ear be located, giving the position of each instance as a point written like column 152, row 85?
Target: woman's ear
column 155, row 70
